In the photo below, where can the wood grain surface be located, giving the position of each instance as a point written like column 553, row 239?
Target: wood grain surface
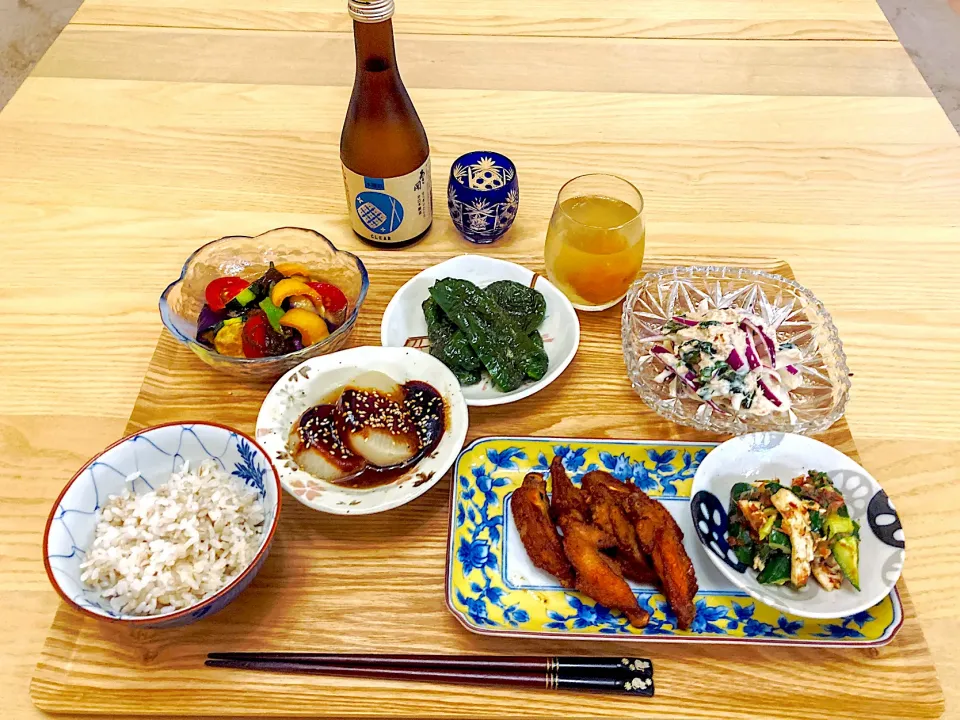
column 708, row 66
column 739, row 19
column 350, row 584
column 789, row 128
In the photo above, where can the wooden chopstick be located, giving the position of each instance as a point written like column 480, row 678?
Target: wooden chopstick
column 630, row 676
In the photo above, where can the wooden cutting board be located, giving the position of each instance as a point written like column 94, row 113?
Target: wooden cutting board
column 376, row 583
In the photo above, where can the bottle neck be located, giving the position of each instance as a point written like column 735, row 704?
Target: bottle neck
column 374, row 46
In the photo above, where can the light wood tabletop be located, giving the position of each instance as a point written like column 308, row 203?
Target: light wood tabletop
column 776, row 128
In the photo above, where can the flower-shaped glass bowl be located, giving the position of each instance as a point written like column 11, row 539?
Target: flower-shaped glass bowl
column 249, row 257
column 790, row 309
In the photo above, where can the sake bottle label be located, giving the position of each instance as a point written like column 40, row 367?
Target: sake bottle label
column 390, row 210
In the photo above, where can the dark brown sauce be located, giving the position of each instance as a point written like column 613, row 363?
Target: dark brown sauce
column 428, row 412
column 427, row 409
column 371, row 477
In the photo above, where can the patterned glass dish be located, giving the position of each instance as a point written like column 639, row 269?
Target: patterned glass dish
column 249, row 257
column 789, row 308
column 493, row 588
column 154, row 453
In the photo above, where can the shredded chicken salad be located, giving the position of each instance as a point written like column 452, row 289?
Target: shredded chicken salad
column 786, row 533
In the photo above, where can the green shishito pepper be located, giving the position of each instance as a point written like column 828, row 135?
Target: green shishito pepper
column 508, row 354
column 524, row 304
column 449, row 345
column 537, row 339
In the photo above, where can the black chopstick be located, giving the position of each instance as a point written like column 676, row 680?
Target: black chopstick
column 501, row 662
column 632, row 676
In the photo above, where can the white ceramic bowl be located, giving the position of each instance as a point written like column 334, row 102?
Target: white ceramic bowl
column 403, row 320
column 783, row 456
column 155, row 453
column 310, row 382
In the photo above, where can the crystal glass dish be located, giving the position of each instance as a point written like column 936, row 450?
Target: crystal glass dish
column 249, row 257
column 789, row 308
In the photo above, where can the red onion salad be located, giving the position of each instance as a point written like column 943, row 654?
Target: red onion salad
column 730, row 359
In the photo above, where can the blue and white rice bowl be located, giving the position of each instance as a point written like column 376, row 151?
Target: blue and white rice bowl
column 142, row 462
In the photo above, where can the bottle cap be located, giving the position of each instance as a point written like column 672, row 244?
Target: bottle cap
column 370, row 11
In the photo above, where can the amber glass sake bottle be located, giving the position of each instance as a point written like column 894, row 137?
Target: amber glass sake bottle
column 383, row 148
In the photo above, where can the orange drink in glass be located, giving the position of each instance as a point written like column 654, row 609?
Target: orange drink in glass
column 595, row 242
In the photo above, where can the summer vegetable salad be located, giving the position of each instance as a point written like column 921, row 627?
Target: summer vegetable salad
column 787, row 534
column 282, row 311
column 730, row 359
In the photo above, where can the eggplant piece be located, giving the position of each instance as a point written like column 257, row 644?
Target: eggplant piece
column 208, row 324
column 262, row 286
column 274, row 343
column 373, row 423
column 318, row 449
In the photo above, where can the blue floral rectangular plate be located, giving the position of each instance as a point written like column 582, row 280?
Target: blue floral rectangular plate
column 492, row 587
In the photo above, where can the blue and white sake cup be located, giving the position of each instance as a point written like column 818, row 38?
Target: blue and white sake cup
column 144, row 461
column 483, row 195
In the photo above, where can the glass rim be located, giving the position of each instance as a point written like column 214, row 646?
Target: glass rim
column 603, row 175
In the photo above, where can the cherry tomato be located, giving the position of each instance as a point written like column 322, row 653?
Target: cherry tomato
column 254, row 335
column 222, row 290
column 333, row 299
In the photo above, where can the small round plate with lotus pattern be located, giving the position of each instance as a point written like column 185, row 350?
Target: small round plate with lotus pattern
column 782, row 457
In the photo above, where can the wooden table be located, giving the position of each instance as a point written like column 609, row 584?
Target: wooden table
column 753, row 127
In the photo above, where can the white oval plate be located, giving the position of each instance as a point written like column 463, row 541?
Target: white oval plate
column 313, row 380
column 403, row 319
column 783, row 456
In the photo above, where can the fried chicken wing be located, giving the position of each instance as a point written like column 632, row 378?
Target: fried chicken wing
column 537, row 532
column 565, row 497
column 599, row 478
column 597, row 575
column 605, row 496
column 661, row 538
column 611, row 531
